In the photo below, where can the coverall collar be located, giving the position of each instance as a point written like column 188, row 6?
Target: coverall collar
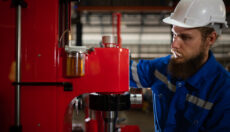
column 206, row 72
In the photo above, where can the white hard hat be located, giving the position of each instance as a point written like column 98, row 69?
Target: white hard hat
column 198, row 13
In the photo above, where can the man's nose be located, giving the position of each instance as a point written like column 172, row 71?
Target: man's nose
column 176, row 43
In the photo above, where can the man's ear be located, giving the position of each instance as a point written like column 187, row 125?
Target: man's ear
column 211, row 39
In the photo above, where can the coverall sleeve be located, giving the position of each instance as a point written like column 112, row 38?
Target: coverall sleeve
column 142, row 73
column 221, row 120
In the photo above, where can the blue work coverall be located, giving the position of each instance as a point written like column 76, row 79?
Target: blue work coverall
column 199, row 103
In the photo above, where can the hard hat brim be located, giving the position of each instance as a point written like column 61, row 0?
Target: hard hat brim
column 169, row 20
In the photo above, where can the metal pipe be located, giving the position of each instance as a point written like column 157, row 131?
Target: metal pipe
column 18, row 65
column 119, row 29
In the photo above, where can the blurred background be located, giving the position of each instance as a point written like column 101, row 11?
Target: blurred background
column 142, row 29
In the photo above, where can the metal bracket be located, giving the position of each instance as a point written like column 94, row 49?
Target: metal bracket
column 22, row 3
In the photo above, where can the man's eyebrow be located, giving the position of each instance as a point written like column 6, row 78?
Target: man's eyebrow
column 184, row 34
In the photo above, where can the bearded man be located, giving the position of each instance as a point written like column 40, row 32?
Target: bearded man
column 191, row 90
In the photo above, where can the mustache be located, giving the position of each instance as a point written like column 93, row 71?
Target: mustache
column 175, row 53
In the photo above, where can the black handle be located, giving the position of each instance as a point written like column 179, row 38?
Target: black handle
column 67, row 85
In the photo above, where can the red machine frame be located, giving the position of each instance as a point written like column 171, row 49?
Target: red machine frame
column 45, row 108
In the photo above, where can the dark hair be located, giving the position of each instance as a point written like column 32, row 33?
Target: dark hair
column 205, row 31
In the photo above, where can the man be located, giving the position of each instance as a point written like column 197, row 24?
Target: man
column 191, row 90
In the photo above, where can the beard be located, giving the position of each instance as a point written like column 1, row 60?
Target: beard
column 184, row 70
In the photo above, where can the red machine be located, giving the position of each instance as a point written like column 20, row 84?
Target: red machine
column 50, row 76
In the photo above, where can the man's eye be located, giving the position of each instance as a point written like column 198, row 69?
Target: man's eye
column 184, row 37
column 174, row 35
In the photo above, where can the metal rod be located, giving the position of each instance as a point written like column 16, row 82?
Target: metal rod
column 18, row 65
column 110, row 121
column 119, row 29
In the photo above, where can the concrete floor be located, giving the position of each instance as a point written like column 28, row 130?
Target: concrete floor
column 144, row 120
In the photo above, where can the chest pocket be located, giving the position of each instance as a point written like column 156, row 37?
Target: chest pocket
column 196, row 112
